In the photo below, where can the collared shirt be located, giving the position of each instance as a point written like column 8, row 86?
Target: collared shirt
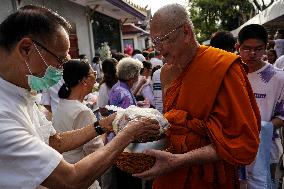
column 26, row 159
column 121, row 96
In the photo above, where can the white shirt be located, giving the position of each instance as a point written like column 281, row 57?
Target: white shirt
column 26, row 160
column 279, row 47
column 50, row 96
column 157, row 90
column 156, row 62
column 98, row 68
column 268, row 87
column 71, row 115
column 146, row 89
column 279, row 63
column 139, row 57
column 103, row 98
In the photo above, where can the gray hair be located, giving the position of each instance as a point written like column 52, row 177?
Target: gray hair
column 128, row 68
column 171, row 16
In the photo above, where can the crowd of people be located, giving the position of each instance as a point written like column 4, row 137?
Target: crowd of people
column 224, row 103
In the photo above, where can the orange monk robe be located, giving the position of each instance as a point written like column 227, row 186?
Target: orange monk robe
column 211, row 102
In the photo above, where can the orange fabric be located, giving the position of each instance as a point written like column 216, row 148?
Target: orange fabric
column 211, row 102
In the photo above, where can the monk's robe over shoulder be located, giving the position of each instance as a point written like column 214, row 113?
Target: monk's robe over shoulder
column 211, row 102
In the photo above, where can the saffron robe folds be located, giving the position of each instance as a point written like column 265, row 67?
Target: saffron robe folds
column 211, row 102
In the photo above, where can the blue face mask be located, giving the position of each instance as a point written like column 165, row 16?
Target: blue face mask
column 51, row 77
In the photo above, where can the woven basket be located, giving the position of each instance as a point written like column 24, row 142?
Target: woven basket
column 134, row 162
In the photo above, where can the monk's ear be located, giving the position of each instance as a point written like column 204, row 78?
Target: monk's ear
column 188, row 33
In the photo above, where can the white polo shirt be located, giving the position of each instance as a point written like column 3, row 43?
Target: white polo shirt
column 26, row 159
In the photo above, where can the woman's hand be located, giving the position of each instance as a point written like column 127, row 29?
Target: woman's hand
column 106, row 123
column 142, row 129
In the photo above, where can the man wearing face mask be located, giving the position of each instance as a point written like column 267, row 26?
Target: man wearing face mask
column 35, row 42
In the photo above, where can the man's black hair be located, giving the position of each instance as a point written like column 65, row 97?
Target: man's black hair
column 253, row 31
column 30, row 21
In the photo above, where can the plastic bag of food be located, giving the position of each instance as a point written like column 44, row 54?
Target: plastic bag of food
column 123, row 116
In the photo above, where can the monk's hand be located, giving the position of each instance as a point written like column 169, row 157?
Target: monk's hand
column 142, row 129
column 106, row 123
column 165, row 162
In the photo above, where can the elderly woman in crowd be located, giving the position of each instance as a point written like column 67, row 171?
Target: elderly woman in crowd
column 128, row 71
column 109, row 79
column 79, row 79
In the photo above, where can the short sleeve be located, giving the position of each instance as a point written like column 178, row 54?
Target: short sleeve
column 24, row 158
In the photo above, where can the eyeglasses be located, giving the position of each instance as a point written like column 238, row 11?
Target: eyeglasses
column 62, row 61
column 257, row 51
column 157, row 41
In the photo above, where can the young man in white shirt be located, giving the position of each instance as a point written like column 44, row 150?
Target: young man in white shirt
column 268, row 86
column 35, row 42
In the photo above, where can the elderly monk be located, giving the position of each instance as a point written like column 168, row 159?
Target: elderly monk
column 209, row 103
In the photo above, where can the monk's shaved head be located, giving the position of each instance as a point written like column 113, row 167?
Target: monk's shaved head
column 169, row 17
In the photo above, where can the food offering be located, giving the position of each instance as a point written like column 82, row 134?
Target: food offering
column 132, row 160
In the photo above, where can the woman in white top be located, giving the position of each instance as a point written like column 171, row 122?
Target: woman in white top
column 143, row 89
column 109, row 79
column 79, row 79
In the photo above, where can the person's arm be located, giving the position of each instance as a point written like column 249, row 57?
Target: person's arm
column 168, row 162
column 277, row 122
column 141, row 82
column 83, row 173
column 48, row 107
column 70, row 140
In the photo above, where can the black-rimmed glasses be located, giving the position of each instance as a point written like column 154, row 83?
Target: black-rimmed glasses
column 62, row 61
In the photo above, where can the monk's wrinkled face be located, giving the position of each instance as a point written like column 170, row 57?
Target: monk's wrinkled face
column 252, row 51
column 167, row 38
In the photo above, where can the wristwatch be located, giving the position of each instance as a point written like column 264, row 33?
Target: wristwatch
column 98, row 128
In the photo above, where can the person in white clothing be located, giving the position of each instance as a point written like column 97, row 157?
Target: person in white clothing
column 143, row 89
column 71, row 114
column 278, row 42
column 279, row 63
column 35, row 42
column 155, row 59
column 268, row 86
column 97, row 66
column 50, row 97
column 157, row 90
column 109, row 79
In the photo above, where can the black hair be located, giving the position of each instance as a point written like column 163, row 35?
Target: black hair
column 30, row 21
column 253, row 31
column 147, row 65
column 151, row 55
column 82, row 56
column 109, row 70
column 155, row 69
column 281, row 32
column 136, row 51
column 73, row 71
column 118, row 56
column 223, row 40
column 96, row 59
column 145, row 54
